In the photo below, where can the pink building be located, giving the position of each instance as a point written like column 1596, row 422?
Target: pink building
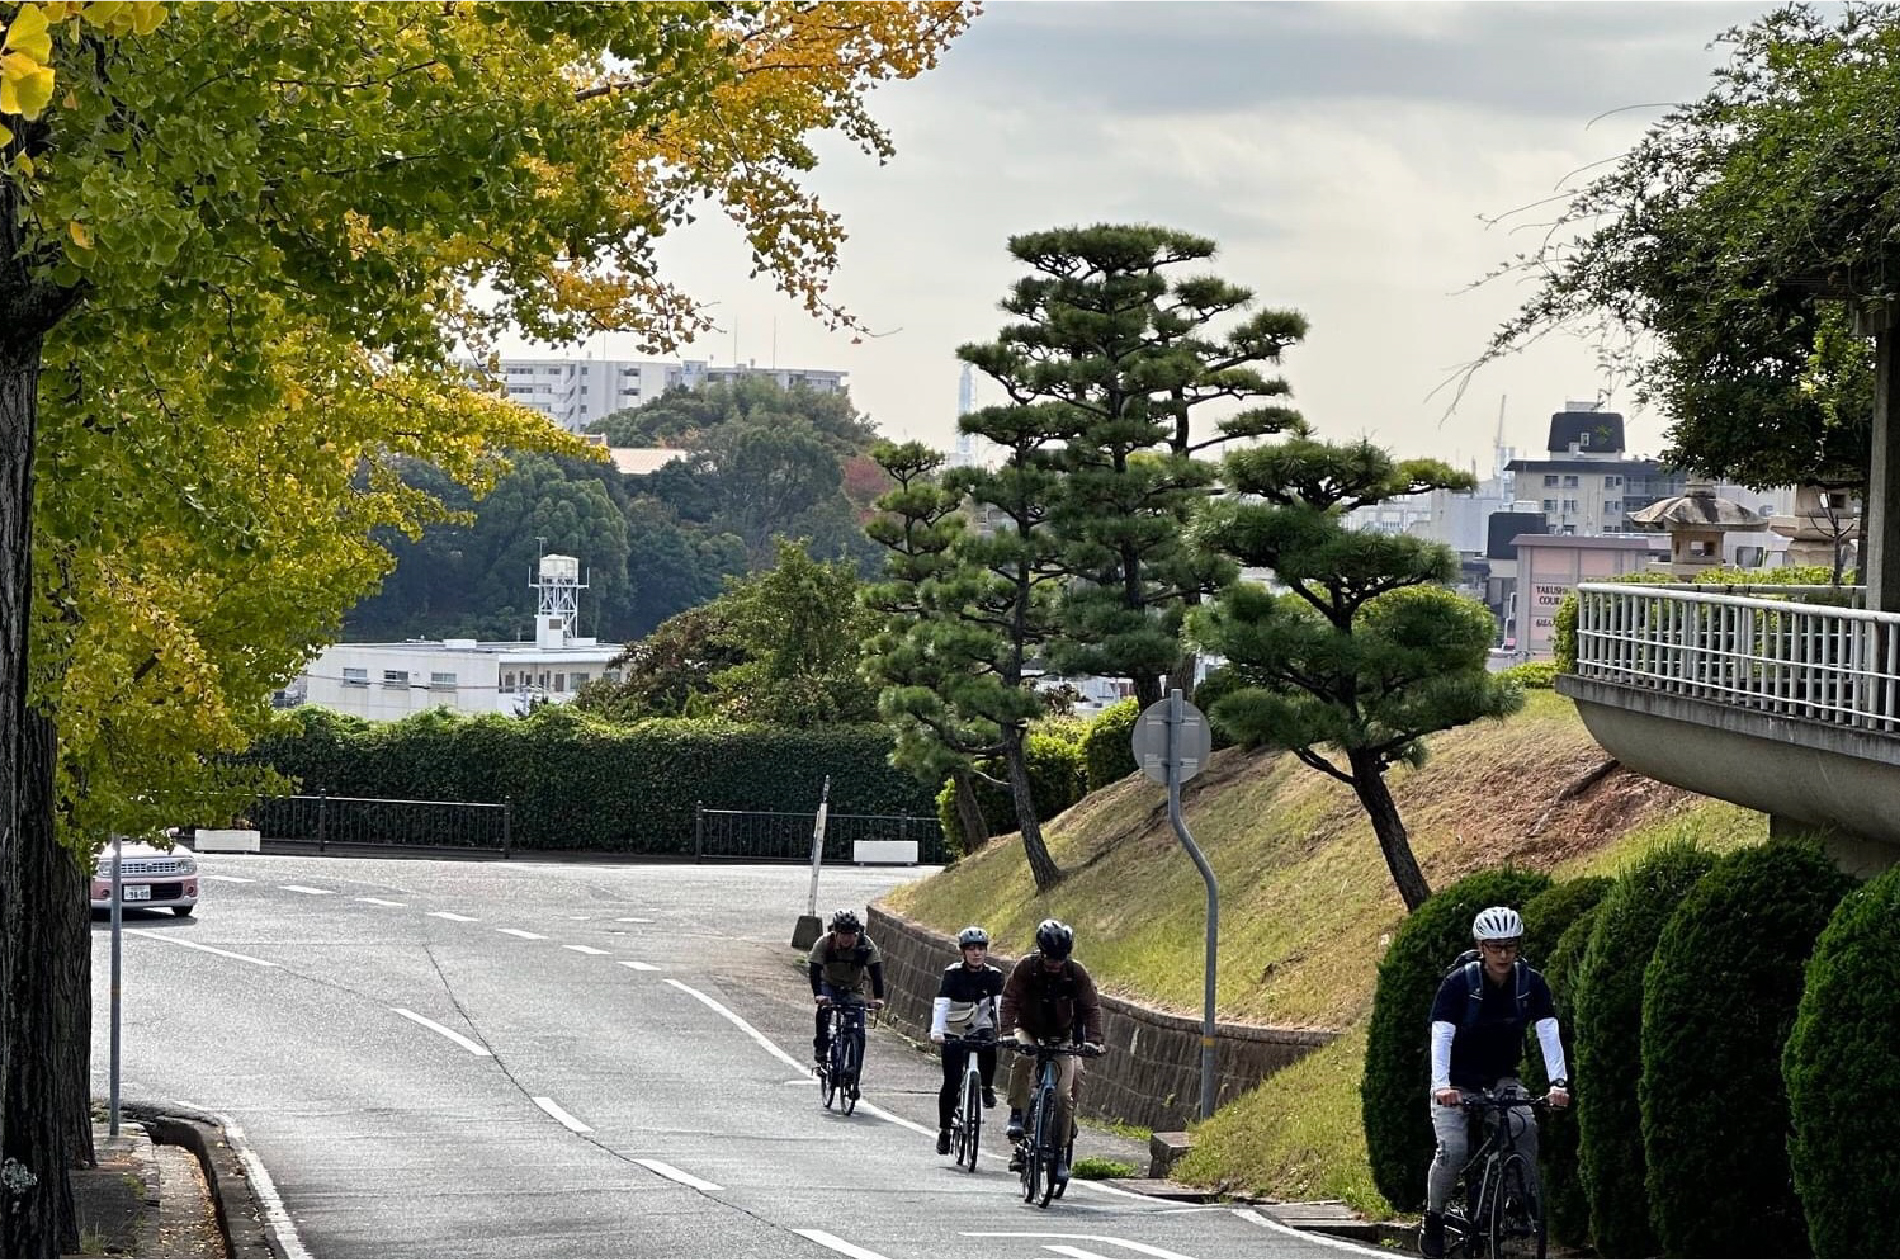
column 1549, row 566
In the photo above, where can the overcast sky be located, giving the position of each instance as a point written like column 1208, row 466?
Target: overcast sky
column 1342, row 154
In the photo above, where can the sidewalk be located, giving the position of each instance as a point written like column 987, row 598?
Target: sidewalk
column 168, row 1186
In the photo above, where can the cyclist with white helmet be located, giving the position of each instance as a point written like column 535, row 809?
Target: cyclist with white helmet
column 1478, row 1023
column 966, row 1008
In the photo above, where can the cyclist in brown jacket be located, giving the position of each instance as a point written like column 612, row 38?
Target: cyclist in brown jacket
column 1049, row 997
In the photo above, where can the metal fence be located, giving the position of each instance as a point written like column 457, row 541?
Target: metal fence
column 386, row 822
column 760, row 836
column 1839, row 666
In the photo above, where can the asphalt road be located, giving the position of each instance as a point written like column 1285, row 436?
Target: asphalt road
column 437, row 1058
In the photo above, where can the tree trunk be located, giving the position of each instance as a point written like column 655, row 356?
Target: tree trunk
column 1368, row 783
column 976, row 828
column 1148, row 690
column 42, row 993
column 34, row 1191
column 71, row 936
column 1041, row 866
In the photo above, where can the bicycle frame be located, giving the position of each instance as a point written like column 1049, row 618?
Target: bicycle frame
column 1040, row 1151
column 1471, row 1218
column 844, row 1062
column 967, row 1122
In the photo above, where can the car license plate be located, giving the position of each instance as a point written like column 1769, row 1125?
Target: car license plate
column 136, row 892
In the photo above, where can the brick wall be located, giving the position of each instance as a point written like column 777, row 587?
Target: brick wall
column 1151, row 1075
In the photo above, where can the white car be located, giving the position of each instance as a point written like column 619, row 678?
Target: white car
column 152, row 879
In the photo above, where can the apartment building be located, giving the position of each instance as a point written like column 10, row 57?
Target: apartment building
column 574, row 393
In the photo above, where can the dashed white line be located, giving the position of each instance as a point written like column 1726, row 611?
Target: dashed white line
column 172, row 940
column 277, row 1219
column 522, row 933
column 673, row 1174
column 378, row 901
column 584, row 949
column 834, row 1243
column 314, row 892
column 231, row 879
column 452, row 916
column 1138, row 1248
column 640, row 966
column 554, row 1109
column 1305, row 1236
column 633, row 920
column 743, row 1027
column 1073, row 1253
column 473, row 1047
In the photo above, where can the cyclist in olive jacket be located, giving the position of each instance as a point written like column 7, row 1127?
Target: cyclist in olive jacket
column 840, row 962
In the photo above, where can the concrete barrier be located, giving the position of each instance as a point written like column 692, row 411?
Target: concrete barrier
column 208, row 841
column 884, row 852
column 1151, row 1075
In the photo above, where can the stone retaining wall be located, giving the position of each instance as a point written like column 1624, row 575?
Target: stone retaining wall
column 1151, row 1075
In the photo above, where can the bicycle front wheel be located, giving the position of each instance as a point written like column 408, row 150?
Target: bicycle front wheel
column 1046, row 1150
column 1031, row 1154
column 1516, row 1227
column 972, row 1120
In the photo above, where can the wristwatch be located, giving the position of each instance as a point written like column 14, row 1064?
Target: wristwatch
column 1561, row 1083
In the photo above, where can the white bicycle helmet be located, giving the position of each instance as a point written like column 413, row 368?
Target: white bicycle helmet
column 1497, row 923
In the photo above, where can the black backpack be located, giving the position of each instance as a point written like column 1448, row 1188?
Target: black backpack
column 1471, row 964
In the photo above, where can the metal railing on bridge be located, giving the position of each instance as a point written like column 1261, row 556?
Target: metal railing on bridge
column 766, row 836
column 385, row 822
column 1835, row 665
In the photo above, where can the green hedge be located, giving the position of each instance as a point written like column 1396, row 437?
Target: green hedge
column 1719, row 998
column 1842, row 1072
column 1549, row 914
column 1566, row 1210
column 1056, row 781
column 1395, row 1092
column 1534, row 675
column 1609, row 1010
column 1108, row 754
column 577, row 782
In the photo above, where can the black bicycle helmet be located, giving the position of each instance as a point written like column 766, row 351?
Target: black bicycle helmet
column 973, row 935
column 846, row 921
column 1055, row 940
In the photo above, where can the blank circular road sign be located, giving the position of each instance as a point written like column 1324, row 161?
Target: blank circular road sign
column 1192, row 742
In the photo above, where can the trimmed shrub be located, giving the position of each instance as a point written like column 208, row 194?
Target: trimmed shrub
column 1107, row 752
column 1218, row 684
column 1719, row 999
column 1533, row 675
column 1609, row 1019
column 1549, row 914
column 1055, row 783
column 1566, row 1210
column 580, row 783
column 1842, row 1072
column 1395, row 1091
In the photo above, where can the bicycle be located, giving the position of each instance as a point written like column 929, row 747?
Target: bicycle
column 844, row 1062
column 966, row 1124
column 1498, row 1213
column 1040, row 1154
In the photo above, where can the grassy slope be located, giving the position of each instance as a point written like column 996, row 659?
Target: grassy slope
column 1306, row 904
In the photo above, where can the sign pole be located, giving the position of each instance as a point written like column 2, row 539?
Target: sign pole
column 810, row 927
column 118, row 904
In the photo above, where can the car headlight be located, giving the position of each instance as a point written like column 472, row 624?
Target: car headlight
column 187, row 865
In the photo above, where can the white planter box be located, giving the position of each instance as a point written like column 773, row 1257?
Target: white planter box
column 226, row 841
column 895, row 852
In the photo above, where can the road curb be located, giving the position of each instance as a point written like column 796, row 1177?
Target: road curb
column 241, row 1218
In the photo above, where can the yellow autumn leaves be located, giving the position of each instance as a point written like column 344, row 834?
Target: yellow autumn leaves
column 26, row 46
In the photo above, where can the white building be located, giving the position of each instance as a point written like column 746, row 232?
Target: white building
column 383, row 682
column 576, row 392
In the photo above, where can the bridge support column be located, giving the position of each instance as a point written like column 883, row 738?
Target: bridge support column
column 1856, row 855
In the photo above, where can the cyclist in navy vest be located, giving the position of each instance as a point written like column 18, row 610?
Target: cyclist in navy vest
column 966, row 1007
column 1477, row 1037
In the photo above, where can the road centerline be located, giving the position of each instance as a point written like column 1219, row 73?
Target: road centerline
column 834, row 1243
column 559, row 1113
column 673, row 1174
column 473, row 1047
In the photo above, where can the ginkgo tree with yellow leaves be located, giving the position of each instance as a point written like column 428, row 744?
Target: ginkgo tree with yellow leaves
column 246, row 253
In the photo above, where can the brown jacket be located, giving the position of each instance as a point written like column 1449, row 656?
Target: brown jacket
column 1051, row 1005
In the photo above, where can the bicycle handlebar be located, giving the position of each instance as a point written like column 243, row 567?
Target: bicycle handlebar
column 1039, row 1049
column 970, row 1043
column 1504, row 1102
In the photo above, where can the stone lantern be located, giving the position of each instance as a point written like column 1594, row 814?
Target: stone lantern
column 1822, row 519
column 1696, row 521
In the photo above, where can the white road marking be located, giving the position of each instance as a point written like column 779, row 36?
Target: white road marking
column 473, row 1047
column 172, row 940
column 314, row 892
column 452, row 916
column 523, row 934
column 276, row 1218
column 378, row 901
column 1074, row 1253
column 640, row 966
column 834, row 1243
column 882, row 1114
column 1140, row 1249
column 231, row 879
column 673, row 1174
column 554, row 1109
column 633, row 919
column 1096, row 1185
column 1306, row 1236
column 584, row 949
column 743, row 1027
